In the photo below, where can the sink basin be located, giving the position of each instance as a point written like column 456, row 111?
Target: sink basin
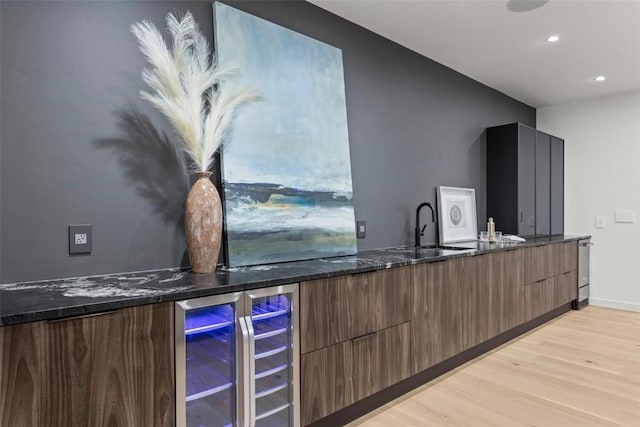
column 430, row 252
column 439, row 250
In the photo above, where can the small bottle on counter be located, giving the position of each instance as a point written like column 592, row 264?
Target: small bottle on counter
column 491, row 229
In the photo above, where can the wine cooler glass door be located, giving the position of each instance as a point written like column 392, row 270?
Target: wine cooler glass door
column 207, row 362
column 275, row 385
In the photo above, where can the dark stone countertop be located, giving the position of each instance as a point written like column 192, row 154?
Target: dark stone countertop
column 60, row 298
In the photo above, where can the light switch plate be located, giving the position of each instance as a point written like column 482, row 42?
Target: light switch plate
column 361, row 229
column 80, row 239
column 601, row 221
column 624, row 216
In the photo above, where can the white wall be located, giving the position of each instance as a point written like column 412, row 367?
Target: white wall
column 602, row 175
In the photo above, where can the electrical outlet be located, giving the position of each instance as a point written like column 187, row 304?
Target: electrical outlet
column 624, row 216
column 80, row 241
column 601, row 222
column 361, row 229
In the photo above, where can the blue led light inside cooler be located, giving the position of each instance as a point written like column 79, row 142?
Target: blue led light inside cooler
column 270, row 307
column 210, row 366
column 209, row 319
column 271, row 319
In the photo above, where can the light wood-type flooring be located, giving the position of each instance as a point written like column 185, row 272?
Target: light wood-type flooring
column 582, row 369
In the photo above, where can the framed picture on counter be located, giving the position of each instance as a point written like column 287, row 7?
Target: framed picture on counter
column 457, row 211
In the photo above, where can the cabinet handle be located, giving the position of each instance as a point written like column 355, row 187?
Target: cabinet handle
column 245, row 384
column 363, row 337
column 82, row 316
column 539, row 281
column 520, row 216
column 252, row 372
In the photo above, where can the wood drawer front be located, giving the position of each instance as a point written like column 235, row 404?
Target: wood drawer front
column 566, row 289
column 539, row 298
column 341, row 308
column 506, row 296
column 538, row 263
column 565, row 257
column 395, row 351
column 337, row 376
column 391, row 299
column 325, row 381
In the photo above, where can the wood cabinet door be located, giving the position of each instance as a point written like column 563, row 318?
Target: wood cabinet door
column 538, row 263
column 437, row 317
column 420, row 319
column 526, row 181
column 543, row 184
column 475, row 289
column 539, row 298
column 341, row 308
column 557, row 185
column 566, row 288
column 337, row 376
column 112, row 369
column 506, row 296
column 21, row 375
column 565, row 257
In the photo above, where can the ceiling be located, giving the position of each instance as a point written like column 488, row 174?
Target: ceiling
column 507, row 50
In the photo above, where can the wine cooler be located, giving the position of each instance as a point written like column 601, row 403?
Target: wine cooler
column 237, row 359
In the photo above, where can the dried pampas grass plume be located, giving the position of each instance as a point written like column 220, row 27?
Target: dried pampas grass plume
column 186, row 84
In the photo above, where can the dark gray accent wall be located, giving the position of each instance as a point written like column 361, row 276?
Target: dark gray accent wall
column 79, row 146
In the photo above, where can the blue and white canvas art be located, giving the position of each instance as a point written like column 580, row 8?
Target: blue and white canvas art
column 286, row 168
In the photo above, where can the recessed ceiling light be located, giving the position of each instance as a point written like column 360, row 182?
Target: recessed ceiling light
column 525, row 5
column 553, row 39
column 600, row 78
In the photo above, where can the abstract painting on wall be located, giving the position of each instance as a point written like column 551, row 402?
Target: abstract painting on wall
column 286, row 168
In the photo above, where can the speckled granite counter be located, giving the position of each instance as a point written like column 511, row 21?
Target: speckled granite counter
column 54, row 299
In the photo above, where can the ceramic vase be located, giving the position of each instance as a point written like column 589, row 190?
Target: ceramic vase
column 203, row 224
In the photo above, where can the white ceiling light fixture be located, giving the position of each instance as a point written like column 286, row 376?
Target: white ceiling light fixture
column 525, row 5
column 553, row 39
column 600, row 78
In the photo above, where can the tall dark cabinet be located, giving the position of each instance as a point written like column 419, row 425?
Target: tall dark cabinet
column 525, row 180
column 557, row 185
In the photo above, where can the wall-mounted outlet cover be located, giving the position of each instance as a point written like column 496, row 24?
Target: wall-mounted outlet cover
column 80, row 239
column 625, row 216
column 601, row 221
column 361, row 229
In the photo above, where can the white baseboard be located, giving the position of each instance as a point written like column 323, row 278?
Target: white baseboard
column 620, row 305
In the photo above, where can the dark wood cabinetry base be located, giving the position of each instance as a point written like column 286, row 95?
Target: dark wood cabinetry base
column 112, row 369
column 370, row 403
column 21, row 379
